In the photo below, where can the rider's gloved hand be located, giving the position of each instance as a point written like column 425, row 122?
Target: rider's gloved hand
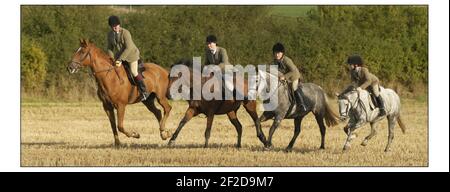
column 118, row 63
column 359, row 89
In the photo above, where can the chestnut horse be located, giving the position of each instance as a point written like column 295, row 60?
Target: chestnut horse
column 216, row 107
column 115, row 90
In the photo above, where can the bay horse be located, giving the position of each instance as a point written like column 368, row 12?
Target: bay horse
column 315, row 101
column 115, row 90
column 215, row 107
column 356, row 106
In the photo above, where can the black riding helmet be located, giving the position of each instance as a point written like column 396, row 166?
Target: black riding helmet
column 355, row 59
column 113, row 20
column 211, row 39
column 278, row 47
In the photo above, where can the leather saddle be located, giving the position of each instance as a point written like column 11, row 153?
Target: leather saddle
column 141, row 69
column 291, row 96
column 373, row 102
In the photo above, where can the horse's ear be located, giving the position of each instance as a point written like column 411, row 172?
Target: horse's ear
column 83, row 42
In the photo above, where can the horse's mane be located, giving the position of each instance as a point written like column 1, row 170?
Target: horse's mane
column 100, row 53
column 265, row 74
column 352, row 89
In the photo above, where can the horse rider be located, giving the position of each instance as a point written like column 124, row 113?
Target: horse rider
column 363, row 79
column 122, row 48
column 215, row 55
column 289, row 72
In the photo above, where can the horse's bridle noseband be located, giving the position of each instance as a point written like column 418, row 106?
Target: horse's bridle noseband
column 352, row 105
column 78, row 63
column 355, row 104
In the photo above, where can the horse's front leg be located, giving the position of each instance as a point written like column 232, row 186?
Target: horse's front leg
column 109, row 109
column 165, row 134
column 250, row 107
column 275, row 124
column 235, row 121
column 350, row 135
column 120, row 117
column 190, row 112
column 391, row 124
column 208, row 128
column 297, row 130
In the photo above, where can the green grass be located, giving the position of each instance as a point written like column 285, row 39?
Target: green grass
column 292, row 11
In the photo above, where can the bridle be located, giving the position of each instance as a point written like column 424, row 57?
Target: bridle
column 354, row 104
column 78, row 63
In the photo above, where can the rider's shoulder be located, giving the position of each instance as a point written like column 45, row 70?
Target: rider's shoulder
column 124, row 31
column 365, row 70
column 221, row 49
column 111, row 33
column 287, row 60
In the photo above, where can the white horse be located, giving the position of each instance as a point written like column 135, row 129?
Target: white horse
column 357, row 106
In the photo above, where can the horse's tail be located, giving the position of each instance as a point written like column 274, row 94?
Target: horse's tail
column 400, row 123
column 331, row 118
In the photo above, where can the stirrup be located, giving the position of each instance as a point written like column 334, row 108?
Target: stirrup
column 303, row 107
column 144, row 96
column 299, row 103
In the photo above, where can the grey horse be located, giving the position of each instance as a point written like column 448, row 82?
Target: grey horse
column 315, row 101
column 356, row 105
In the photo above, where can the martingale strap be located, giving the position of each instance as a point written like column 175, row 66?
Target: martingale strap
column 361, row 103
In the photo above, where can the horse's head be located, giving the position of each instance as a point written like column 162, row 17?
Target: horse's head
column 82, row 57
column 347, row 101
column 180, row 71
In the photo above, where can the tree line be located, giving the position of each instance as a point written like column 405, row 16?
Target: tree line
column 393, row 41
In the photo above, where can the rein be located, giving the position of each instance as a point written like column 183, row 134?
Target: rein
column 361, row 104
column 291, row 106
column 354, row 105
column 92, row 64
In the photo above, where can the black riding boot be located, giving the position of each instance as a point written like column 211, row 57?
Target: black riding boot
column 299, row 99
column 142, row 88
column 381, row 105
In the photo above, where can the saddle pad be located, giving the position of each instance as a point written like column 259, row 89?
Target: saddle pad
column 141, row 69
column 372, row 101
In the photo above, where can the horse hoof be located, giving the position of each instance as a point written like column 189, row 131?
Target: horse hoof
column 288, row 150
column 117, row 144
column 171, row 143
column 165, row 135
column 387, row 150
column 268, row 148
column 237, row 146
column 135, row 135
column 346, row 147
column 364, row 143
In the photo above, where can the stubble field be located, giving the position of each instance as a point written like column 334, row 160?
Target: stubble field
column 79, row 134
